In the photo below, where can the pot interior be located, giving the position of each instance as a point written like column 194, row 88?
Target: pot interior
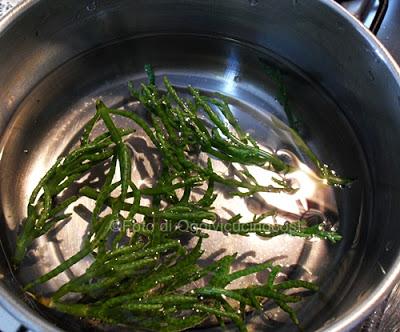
column 72, row 63
column 50, row 120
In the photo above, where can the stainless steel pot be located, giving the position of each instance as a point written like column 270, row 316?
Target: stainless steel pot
column 56, row 55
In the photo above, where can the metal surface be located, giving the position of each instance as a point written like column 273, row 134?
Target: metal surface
column 383, row 15
column 234, row 69
column 380, row 15
column 359, row 8
column 7, row 5
column 68, row 53
column 370, row 12
column 390, row 30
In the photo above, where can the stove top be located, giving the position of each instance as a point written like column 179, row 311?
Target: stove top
column 382, row 17
column 370, row 12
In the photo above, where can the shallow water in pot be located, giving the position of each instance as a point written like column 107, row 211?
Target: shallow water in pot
column 50, row 119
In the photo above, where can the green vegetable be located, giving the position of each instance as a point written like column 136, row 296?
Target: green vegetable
column 148, row 282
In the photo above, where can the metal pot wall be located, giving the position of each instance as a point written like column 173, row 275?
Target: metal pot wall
column 319, row 38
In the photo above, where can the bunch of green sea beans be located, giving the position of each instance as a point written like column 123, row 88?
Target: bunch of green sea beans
column 147, row 280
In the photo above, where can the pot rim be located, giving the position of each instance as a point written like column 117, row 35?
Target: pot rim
column 351, row 319
column 27, row 317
